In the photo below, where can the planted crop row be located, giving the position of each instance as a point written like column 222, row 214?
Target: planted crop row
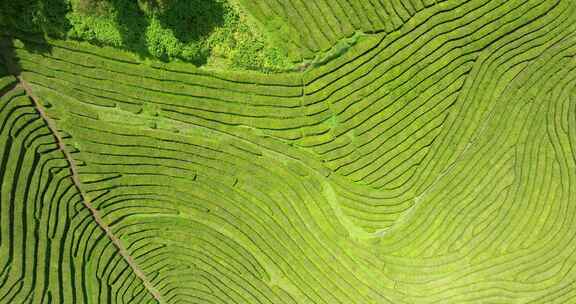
column 50, row 250
column 307, row 28
column 432, row 163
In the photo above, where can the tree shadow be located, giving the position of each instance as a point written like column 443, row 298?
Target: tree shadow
column 38, row 45
column 53, row 20
column 8, row 58
column 193, row 20
column 36, row 16
column 33, row 20
column 132, row 24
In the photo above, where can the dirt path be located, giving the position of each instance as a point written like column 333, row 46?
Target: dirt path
column 76, row 179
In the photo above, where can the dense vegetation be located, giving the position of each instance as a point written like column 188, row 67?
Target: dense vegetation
column 213, row 33
column 423, row 153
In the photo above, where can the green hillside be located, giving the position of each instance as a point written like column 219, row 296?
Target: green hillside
column 362, row 151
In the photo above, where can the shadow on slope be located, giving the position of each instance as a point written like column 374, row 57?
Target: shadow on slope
column 39, row 17
column 132, row 24
column 192, row 20
column 9, row 61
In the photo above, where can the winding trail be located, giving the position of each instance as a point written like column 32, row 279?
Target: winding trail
column 12, row 69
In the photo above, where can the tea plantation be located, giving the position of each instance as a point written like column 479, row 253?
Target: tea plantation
column 373, row 151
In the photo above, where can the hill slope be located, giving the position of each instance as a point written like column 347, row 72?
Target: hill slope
column 432, row 162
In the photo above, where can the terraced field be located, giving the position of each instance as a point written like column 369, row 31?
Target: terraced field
column 434, row 161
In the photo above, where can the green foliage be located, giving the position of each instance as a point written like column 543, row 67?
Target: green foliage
column 204, row 32
column 92, row 7
column 95, row 29
column 434, row 164
column 283, row 35
column 35, row 16
column 254, row 54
